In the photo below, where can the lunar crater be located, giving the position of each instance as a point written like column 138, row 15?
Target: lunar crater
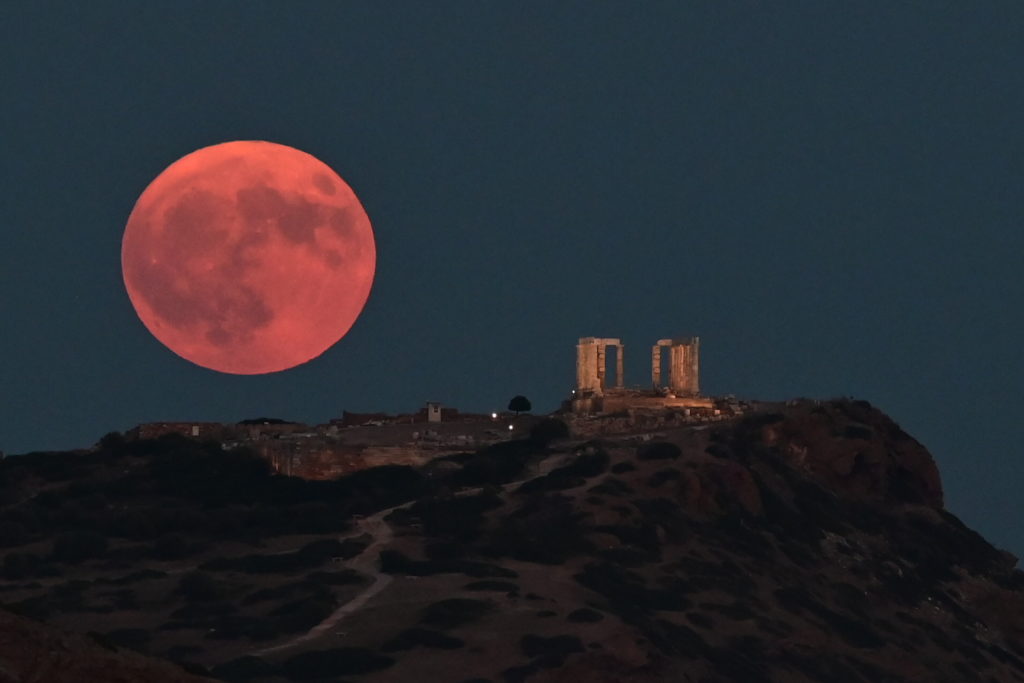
column 198, row 218
column 323, row 183
column 332, row 258
column 295, row 218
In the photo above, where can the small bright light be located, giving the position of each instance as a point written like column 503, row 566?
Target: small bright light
column 510, row 428
column 494, row 416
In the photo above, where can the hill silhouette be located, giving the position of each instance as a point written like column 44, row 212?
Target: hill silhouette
column 803, row 543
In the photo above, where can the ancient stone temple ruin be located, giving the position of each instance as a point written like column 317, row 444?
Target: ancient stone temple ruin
column 591, row 364
column 684, row 365
column 594, row 392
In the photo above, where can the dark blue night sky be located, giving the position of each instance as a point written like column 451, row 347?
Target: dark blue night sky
column 829, row 194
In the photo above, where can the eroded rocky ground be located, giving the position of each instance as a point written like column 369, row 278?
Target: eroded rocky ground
column 805, row 543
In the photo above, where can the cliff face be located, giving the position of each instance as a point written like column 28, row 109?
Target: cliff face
column 804, row 544
column 320, row 459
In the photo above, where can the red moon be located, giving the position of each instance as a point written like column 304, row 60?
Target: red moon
column 248, row 257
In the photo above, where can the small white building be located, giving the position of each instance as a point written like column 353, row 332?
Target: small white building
column 433, row 411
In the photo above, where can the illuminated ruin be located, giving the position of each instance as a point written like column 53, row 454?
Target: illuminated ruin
column 595, row 394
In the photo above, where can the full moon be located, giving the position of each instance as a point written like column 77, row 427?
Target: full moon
column 248, row 257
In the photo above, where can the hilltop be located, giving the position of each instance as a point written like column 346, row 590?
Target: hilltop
column 800, row 542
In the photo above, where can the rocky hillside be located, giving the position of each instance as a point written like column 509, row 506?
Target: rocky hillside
column 30, row 651
column 804, row 543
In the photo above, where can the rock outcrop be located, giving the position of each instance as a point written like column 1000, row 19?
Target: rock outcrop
column 855, row 450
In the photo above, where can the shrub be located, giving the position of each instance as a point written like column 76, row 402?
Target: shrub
column 444, row 549
column 198, row 611
column 857, row 432
column 125, row 599
column 56, row 466
column 381, row 487
column 612, row 487
column 244, row 669
column 661, row 476
column 659, row 450
column 311, row 555
column 410, row 638
column 455, row 612
column 279, row 592
column 203, row 471
column 518, row 674
column 340, row 661
column 140, row 575
column 855, row 631
column 342, row 577
column 13, row 534
column 677, row 639
column 497, row 464
column 558, row 646
column 454, row 517
column 500, row 586
column 304, row 614
column 546, row 529
column 737, row 611
column 700, row 619
column 584, row 615
column 21, row 566
column 551, row 482
column 168, row 518
column 395, row 562
column 113, row 443
column 131, row 638
column 626, row 590
column 585, row 465
column 643, row 536
column 76, row 547
column 628, row 557
column 173, row 547
column 200, row 587
column 547, row 430
column 307, row 517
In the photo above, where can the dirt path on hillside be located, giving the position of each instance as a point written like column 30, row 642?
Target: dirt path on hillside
column 368, row 561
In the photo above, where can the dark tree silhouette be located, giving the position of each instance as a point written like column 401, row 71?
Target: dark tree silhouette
column 265, row 421
column 519, row 404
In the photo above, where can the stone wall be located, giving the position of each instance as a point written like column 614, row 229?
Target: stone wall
column 193, row 430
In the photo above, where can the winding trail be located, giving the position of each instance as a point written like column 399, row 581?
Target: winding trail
column 368, row 561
